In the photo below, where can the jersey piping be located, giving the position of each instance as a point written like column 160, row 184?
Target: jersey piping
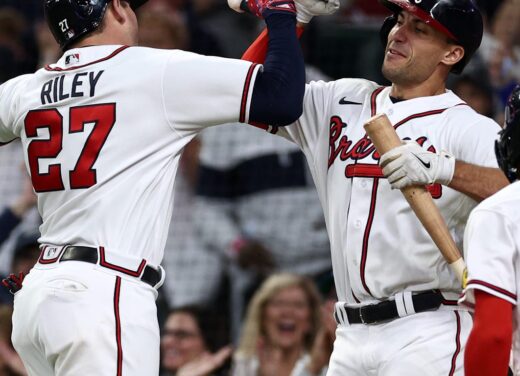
column 117, row 294
column 457, row 346
column 245, row 92
column 491, row 287
column 58, row 69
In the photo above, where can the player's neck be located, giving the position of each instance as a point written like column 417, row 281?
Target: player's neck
column 435, row 84
column 409, row 92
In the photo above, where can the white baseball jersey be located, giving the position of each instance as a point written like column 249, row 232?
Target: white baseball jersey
column 103, row 130
column 492, row 253
column 378, row 245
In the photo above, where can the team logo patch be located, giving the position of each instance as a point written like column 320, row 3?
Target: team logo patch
column 50, row 253
column 71, row 59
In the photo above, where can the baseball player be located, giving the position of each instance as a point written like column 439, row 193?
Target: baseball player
column 103, row 130
column 397, row 309
column 492, row 250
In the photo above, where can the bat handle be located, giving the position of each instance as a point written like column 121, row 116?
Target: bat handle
column 459, row 268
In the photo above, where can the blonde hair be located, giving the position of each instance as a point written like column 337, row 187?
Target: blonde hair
column 252, row 328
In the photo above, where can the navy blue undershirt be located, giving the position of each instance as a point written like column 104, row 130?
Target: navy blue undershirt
column 278, row 92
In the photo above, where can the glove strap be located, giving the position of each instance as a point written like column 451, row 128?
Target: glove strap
column 262, row 8
column 446, row 168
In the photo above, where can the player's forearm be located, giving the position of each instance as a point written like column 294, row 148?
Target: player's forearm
column 257, row 51
column 278, row 92
column 477, row 182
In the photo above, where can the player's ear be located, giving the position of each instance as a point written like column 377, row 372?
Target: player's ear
column 454, row 53
column 118, row 9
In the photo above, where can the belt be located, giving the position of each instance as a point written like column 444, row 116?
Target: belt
column 392, row 309
column 91, row 255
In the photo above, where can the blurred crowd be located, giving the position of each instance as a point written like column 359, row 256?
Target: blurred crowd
column 249, row 287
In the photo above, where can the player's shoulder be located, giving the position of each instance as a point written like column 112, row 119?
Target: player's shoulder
column 16, row 82
column 505, row 202
column 157, row 55
column 14, row 87
column 461, row 113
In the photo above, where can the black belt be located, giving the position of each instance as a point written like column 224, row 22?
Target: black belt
column 387, row 310
column 90, row 255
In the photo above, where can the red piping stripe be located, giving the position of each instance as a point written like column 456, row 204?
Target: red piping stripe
column 366, row 236
column 373, row 105
column 108, row 265
column 243, row 104
column 420, row 115
column 355, row 297
column 492, row 287
column 457, row 346
column 117, row 294
column 447, row 302
column 58, row 69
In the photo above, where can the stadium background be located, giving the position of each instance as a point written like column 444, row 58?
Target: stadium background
column 246, row 207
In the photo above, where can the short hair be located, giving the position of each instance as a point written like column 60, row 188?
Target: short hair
column 252, row 328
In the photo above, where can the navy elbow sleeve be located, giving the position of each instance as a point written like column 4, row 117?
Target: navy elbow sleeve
column 278, row 92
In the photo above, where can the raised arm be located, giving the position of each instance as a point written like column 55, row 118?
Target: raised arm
column 277, row 99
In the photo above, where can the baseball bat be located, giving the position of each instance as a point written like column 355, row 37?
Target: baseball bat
column 384, row 138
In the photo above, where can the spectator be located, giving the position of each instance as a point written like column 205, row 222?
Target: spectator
column 16, row 45
column 12, row 215
column 48, row 49
column 500, row 49
column 281, row 325
column 162, row 27
column 474, row 87
column 10, row 362
column 187, row 345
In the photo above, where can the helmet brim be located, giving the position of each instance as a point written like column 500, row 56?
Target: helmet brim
column 398, row 5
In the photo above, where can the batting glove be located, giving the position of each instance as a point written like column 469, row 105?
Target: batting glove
column 260, row 8
column 410, row 164
column 306, row 9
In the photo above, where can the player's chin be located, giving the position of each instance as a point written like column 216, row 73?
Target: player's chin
column 392, row 70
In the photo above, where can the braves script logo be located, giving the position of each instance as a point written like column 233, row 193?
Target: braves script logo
column 340, row 146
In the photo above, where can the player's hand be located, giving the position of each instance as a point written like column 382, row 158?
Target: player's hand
column 261, row 8
column 253, row 255
column 206, row 363
column 410, row 164
column 324, row 342
column 306, row 9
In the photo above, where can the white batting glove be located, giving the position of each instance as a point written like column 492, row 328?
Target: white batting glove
column 410, row 164
column 306, row 9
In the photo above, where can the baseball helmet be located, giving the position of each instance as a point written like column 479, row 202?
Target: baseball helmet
column 507, row 147
column 70, row 20
column 460, row 20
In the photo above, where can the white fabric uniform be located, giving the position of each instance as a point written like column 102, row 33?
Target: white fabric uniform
column 492, row 253
column 379, row 248
column 103, row 130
